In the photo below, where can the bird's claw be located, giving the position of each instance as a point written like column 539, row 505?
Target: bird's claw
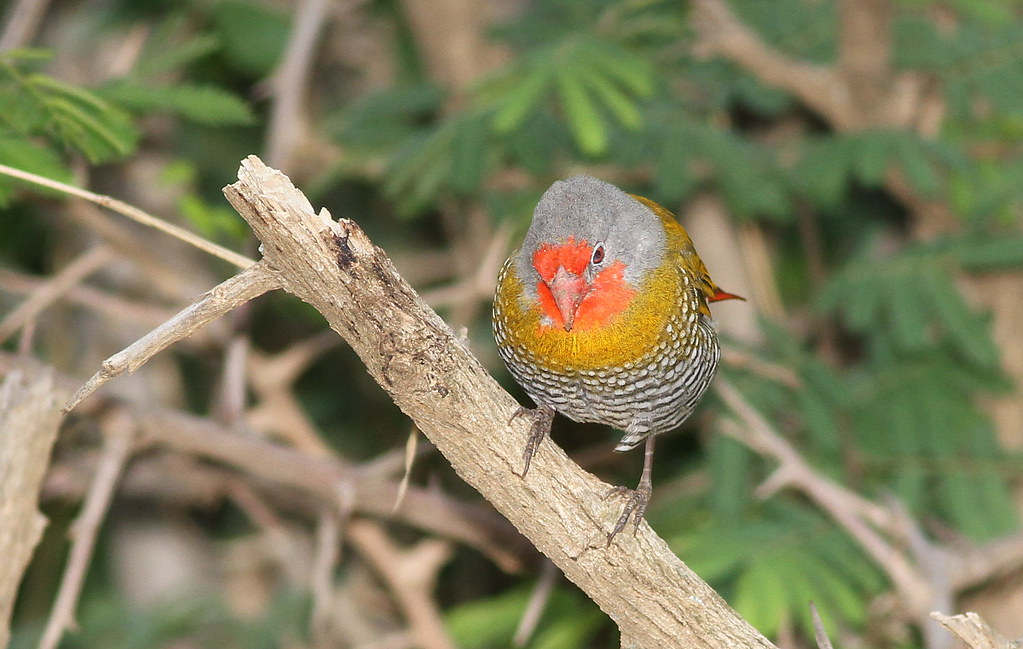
column 543, row 417
column 635, row 507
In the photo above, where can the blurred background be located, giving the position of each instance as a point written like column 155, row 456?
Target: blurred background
column 852, row 167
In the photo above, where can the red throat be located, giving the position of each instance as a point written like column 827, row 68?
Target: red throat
column 570, row 301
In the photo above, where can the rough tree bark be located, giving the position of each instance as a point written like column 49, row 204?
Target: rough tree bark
column 29, row 418
column 655, row 600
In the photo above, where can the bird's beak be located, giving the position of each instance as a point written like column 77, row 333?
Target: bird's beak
column 568, row 291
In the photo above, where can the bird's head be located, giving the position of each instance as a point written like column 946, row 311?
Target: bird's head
column 590, row 247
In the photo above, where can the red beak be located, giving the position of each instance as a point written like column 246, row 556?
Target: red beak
column 568, row 291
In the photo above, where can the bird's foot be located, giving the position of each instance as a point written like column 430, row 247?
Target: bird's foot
column 635, row 507
column 543, row 417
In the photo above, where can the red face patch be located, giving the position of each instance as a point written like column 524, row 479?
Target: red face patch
column 571, row 255
column 609, row 295
column 600, row 300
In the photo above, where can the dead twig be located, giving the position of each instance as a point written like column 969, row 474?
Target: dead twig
column 410, row 575
column 102, row 302
column 55, row 288
column 249, row 284
column 118, row 433
column 974, row 631
column 823, row 642
column 321, row 581
column 23, row 18
column 330, row 479
column 538, row 599
column 272, row 378
column 287, row 115
column 309, row 482
column 411, row 446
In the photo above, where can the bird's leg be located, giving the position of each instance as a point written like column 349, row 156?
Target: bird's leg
column 639, row 497
column 543, row 417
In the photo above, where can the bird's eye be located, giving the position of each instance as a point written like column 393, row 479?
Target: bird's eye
column 598, row 254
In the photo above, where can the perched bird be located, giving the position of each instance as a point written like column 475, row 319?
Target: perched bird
column 602, row 316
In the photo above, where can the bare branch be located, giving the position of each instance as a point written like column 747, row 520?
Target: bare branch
column 102, row 302
column 52, row 290
column 311, row 482
column 29, row 418
column 411, row 576
column 997, row 558
column 287, row 115
column 118, row 436
column 321, row 581
column 974, row 631
column 820, row 634
column 335, row 482
column 277, row 411
column 538, row 600
column 23, row 18
column 864, row 52
column 251, row 283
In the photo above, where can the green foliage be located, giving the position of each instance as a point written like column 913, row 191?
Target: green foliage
column 172, row 46
column 44, row 120
column 381, row 122
column 830, row 164
column 910, row 302
column 991, row 253
column 41, row 118
column 902, row 423
column 424, row 168
column 800, row 29
column 772, row 561
column 170, row 49
column 907, row 412
column 39, row 105
column 253, row 35
column 581, row 86
column 569, row 621
column 202, row 104
column 591, row 81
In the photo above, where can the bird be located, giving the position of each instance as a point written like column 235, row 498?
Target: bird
column 602, row 315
